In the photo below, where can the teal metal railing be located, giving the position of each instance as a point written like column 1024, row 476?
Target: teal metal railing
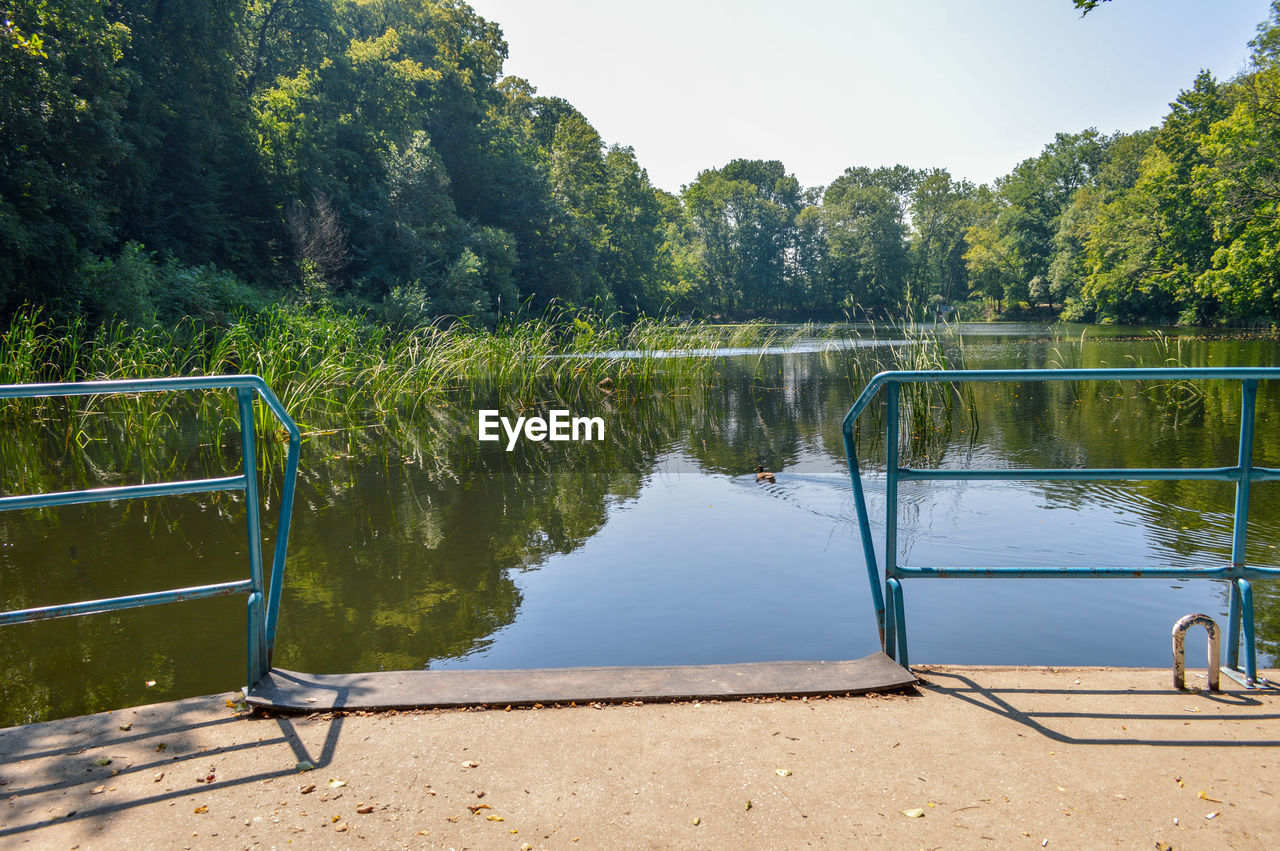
column 264, row 602
column 890, row 614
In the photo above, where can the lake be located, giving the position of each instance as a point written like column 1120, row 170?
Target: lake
column 423, row 547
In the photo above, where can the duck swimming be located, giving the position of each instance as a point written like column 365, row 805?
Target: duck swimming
column 763, row 475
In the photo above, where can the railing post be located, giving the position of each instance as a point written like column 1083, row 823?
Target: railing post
column 1241, row 614
column 898, row 622
column 1246, row 616
column 1248, row 405
column 896, row 629
column 282, row 541
column 257, row 646
column 891, row 481
column 1233, row 627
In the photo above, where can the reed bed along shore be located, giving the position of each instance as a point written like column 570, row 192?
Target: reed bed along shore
column 326, row 365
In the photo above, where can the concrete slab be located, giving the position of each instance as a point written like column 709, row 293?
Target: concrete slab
column 974, row 757
column 290, row 691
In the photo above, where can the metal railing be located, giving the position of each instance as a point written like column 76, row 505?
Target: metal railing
column 890, row 615
column 261, row 617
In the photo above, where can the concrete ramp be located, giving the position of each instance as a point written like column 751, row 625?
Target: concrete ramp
column 294, row 692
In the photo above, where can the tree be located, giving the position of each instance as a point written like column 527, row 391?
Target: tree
column 940, row 215
column 1011, row 248
column 867, row 258
column 743, row 216
column 63, row 88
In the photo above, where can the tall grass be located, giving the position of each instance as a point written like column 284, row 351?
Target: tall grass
column 928, row 412
column 330, row 367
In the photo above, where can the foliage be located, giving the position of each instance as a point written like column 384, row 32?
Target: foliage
column 155, row 161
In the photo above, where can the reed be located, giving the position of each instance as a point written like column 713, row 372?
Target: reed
column 331, row 368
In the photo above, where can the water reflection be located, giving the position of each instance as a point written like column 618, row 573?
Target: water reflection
column 416, row 545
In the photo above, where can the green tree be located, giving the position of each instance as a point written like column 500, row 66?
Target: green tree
column 867, row 260
column 941, row 210
column 63, row 89
column 1011, row 245
column 743, row 216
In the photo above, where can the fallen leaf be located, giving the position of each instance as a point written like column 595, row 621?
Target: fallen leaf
column 97, row 790
column 917, row 812
column 478, row 807
column 364, row 809
column 304, row 765
column 158, row 777
column 495, row 818
column 102, row 761
column 748, row 805
column 126, row 727
column 1163, row 846
column 335, row 819
column 337, row 784
column 201, row 809
column 308, row 789
column 160, row 747
column 696, row 821
column 782, row 772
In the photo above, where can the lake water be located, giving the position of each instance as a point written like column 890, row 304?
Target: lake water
column 428, row 548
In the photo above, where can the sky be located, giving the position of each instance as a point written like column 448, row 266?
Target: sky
column 973, row 86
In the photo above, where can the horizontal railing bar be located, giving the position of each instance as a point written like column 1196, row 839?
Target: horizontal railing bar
column 132, row 601
column 1226, row 474
column 1229, row 373
column 45, row 500
column 1072, row 572
column 1240, row 373
column 131, row 385
column 1226, row 571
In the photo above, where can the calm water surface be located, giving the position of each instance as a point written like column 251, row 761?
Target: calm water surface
column 427, row 548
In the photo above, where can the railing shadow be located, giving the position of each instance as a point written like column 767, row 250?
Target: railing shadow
column 1003, row 702
column 173, row 748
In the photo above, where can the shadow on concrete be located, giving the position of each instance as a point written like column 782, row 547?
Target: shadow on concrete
column 1003, row 702
column 171, row 749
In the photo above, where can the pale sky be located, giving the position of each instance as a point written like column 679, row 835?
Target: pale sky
column 974, row 86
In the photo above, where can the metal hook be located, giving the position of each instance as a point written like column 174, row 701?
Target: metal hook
column 1180, row 650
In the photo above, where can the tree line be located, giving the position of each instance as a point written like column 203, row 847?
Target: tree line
column 162, row 159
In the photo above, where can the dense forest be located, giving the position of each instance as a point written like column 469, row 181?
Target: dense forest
column 167, row 160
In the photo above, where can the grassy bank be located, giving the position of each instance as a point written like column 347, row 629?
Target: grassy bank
column 323, row 363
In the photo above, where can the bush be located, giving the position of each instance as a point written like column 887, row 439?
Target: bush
column 138, row 288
